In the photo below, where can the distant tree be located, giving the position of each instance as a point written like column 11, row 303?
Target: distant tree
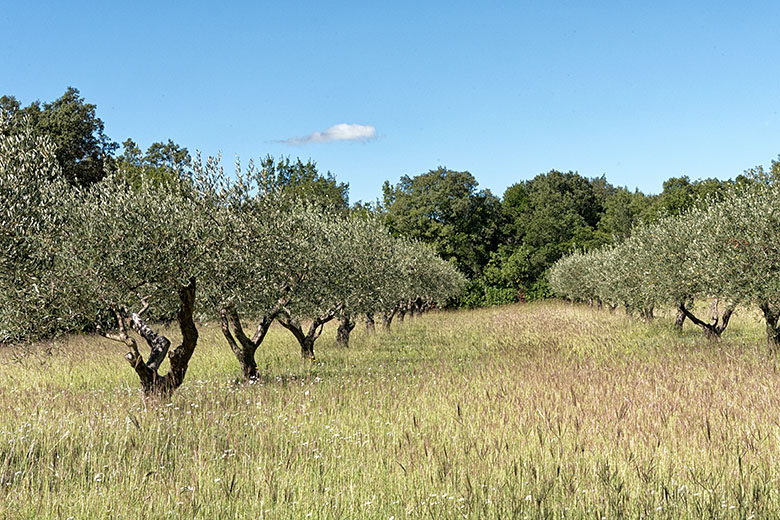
column 162, row 162
column 302, row 181
column 680, row 194
column 622, row 211
column 83, row 149
column 445, row 209
column 543, row 219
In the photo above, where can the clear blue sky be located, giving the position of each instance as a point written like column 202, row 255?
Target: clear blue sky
column 639, row 91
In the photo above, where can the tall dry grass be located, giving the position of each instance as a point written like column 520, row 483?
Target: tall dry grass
column 541, row 410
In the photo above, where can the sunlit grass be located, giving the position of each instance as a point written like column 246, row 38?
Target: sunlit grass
column 525, row 411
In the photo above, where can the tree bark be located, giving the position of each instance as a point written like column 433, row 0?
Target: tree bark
column 245, row 348
column 370, row 324
column 387, row 319
column 679, row 319
column 771, row 317
column 418, row 307
column 346, row 324
column 151, row 382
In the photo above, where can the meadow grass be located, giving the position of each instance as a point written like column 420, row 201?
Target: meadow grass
column 527, row 411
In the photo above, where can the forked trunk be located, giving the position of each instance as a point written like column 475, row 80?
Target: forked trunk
column 151, row 382
column 306, row 339
column 245, row 348
column 715, row 328
column 370, row 324
column 346, row 324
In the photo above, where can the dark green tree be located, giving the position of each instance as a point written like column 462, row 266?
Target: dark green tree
column 162, row 162
column 83, row 150
column 302, row 181
column 444, row 208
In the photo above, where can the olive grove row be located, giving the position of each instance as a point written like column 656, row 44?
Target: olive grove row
column 726, row 250
column 116, row 255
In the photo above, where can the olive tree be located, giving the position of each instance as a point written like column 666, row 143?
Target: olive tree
column 132, row 248
column 251, row 279
column 32, row 196
column 741, row 259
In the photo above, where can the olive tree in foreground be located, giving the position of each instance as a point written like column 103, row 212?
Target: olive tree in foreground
column 138, row 249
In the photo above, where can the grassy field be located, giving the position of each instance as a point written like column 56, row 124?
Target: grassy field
column 539, row 410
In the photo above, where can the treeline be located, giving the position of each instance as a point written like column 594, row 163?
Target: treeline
column 159, row 243
column 724, row 249
column 504, row 245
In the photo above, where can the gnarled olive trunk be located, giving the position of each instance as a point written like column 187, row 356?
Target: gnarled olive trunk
column 717, row 325
column 346, row 324
column 771, row 316
column 245, row 348
column 305, row 339
column 387, row 319
column 151, row 382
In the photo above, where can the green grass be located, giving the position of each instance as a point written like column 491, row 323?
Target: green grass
column 539, row 410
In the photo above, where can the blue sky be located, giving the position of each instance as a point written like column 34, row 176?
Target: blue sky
column 638, row 91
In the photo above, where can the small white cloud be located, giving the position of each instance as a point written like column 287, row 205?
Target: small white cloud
column 339, row 132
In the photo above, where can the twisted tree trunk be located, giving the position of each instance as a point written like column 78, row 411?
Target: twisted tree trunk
column 771, row 317
column 715, row 328
column 246, row 347
column 151, row 382
column 346, row 324
column 306, row 339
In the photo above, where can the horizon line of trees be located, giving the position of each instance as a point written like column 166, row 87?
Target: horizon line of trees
column 504, row 245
